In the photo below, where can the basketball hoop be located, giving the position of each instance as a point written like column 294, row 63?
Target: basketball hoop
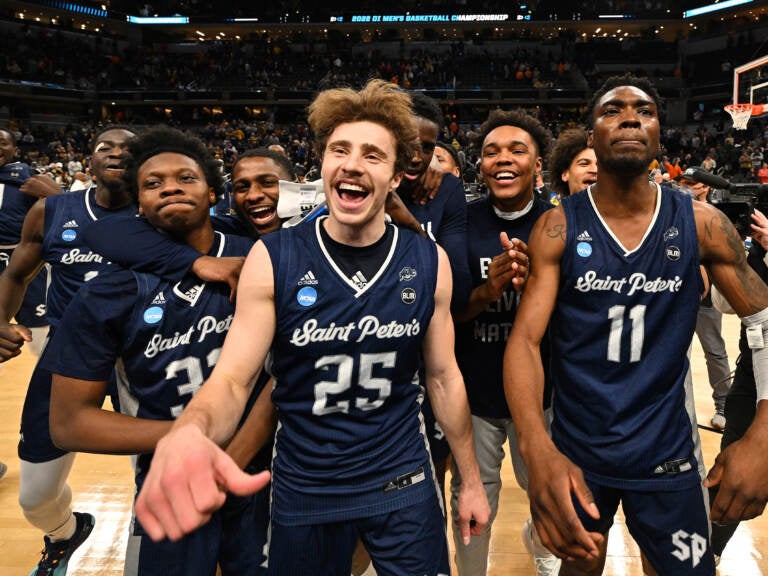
column 740, row 113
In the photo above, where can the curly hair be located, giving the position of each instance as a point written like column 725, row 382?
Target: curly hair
column 627, row 79
column 567, row 146
column 379, row 102
column 520, row 119
column 160, row 139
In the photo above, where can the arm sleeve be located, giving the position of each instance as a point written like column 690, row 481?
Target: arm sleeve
column 452, row 237
column 89, row 339
column 133, row 243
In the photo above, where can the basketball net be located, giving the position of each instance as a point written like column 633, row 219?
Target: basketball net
column 741, row 113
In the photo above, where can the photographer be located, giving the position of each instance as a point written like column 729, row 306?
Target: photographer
column 741, row 402
column 709, row 323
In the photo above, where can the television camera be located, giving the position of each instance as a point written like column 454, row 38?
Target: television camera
column 736, row 200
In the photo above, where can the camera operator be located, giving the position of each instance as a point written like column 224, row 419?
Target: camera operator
column 709, row 327
column 740, row 405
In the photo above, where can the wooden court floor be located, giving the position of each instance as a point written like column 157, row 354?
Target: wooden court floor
column 103, row 485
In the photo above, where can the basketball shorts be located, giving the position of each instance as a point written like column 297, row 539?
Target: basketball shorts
column 32, row 311
column 409, row 541
column 670, row 527
column 234, row 538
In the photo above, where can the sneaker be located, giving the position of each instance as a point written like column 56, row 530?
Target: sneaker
column 3, row 469
column 547, row 564
column 718, row 421
column 56, row 555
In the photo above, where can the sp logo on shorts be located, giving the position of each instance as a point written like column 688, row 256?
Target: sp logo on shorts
column 689, row 547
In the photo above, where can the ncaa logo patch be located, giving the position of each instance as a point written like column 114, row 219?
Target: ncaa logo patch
column 673, row 253
column 307, row 296
column 153, row 315
column 68, row 235
column 584, row 249
column 408, row 295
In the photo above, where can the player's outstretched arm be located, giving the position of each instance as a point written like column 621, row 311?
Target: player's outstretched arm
column 449, row 402
column 24, row 264
column 190, row 473
column 741, row 470
column 256, row 430
column 553, row 478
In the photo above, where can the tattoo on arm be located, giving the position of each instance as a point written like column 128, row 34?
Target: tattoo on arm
column 556, row 231
column 733, row 240
column 751, row 284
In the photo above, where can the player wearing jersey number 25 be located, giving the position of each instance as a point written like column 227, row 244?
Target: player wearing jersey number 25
column 336, row 477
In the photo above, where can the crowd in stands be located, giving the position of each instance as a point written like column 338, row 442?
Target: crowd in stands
column 37, row 53
column 736, row 155
column 43, row 54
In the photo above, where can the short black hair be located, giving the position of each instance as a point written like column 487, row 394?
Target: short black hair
column 160, row 139
column 627, row 79
column 518, row 118
column 426, row 107
column 454, row 154
column 10, row 133
column 109, row 128
column 278, row 157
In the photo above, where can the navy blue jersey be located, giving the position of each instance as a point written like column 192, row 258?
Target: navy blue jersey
column 350, row 440
column 620, row 333
column 444, row 219
column 162, row 337
column 480, row 342
column 14, row 204
column 72, row 262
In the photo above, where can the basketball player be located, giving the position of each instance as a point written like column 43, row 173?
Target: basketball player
column 165, row 337
column 14, row 206
column 572, row 162
column 350, row 458
column 511, row 145
column 17, row 199
column 616, row 271
column 52, row 234
column 448, row 158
